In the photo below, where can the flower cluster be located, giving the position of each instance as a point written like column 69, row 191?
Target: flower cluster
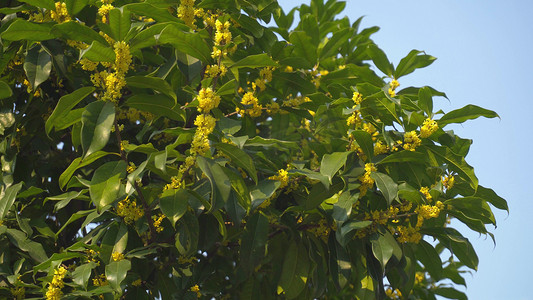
column 428, row 128
column 212, row 71
column 54, row 287
column 252, row 106
column 117, row 256
column 60, row 14
column 186, row 13
column 103, row 11
column 411, row 141
column 129, row 211
column 195, row 288
column 207, row 100
column 366, row 180
column 157, row 222
column 100, row 280
column 205, row 125
column 380, row 148
column 448, row 181
column 282, row 176
column 425, row 191
column 222, row 38
column 392, row 87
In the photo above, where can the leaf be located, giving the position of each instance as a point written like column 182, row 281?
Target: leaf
column 7, row 119
column 468, row 112
column 450, row 293
column 116, row 272
column 79, row 163
column 174, row 203
column 303, row 47
column 262, row 142
column 240, row 158
column 7, row 198
column 428, row 256
column 331, row 163
column 340, row 266
column 364, row 140
column 65, row 105
column 425, row 100
column 253, row 242
column 34, row 249
column 386, row 185
column 456, row 163
column 105, row 183
column 97, row 121
column 75, row 6
column 77, row 215
column 229, row 126
column 77, row 32
column 262, row 191
column 188, row 43
column 5, row 90
column 48, row 4
column 490, row 196
column 148, row 10
column 294, row 272
column 319, row 193
column 311, row 175
column 403, row 156
column 414, row 60
column 380, row 59
column 81, row 275
column 255, row 61
column 384, row 246
column 119, row 22
column 154, row 83
column 337, row 40
column 24, row 30
column 354, row 225
column 159, row 105
column 220, row 183
column 473, row 207
column 37, row 65
column 98, row 53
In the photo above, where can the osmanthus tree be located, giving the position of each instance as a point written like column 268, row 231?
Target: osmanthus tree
column 166, row 149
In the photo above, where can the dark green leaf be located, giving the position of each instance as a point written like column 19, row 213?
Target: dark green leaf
column 254, row 241
column 455, row 162
column 262, row 191
column 450, row 293
column 403, row 156
column 5, row 90
column 364, row 140
column 116, row 272
column 48, row 4
column 337, row 40
column 65, row 105
column 490, row 196
column 105, row 183
column 185, row 42
column 148, row 10
column 331, row 163
column 294, row 272
column 81, row 275
column 414, row 60
column 24, row 30
column 98, row 52
column 78, row 163
column 303, row 47
column 255, row 61
column 77, row 32
column 119, row 22
column 174, row 203
column 220, row 183
column 240, row 158
column 386, row 185
column 159, row 105
column 425, row 100
column 75, row 6
column 97, row 121
column 380, row 59
column 428, row 256
column 149, row 82
column 384, row 246
column 468, row 112
column 37, row 65
column 34, row 249
column 7, row 198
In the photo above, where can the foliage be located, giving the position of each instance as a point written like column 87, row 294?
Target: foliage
column 185, row 149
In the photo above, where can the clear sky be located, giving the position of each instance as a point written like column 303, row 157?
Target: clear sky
column 484, row 51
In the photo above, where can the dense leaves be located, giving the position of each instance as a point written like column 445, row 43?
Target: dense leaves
column 183, row 149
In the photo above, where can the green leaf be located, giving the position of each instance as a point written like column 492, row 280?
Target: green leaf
column 468, row 112
column 77, row 32
column 262, row 191
column 450, row 293
column 380, row 59
column 187, row 235
column 331, row 163
column 354, row 225
column 105, row 183
column 154, row 83
column 229, row 126
column 65, row 105
column 119, row 22
column 159, row 105
column 414, row 60
column 188, row 43
column 77, row 215
column 148, row 10
column 81, row 275
column 339, row 263
column 240, row 158
column 364, row 140
column 34, row 249
column 174, row 203
column 7, row 119
column 428, row 256
column 490, row 196
column 75, row 6
column 253, row 242
column 303, row 47
column 48, row 4
column 97, row 121
column 98, row 52
column 311, row 175
column 262, row 142
column 319, row 193
column 295, row 82
column 79, row 163
column 455, row 162
column 425, row 100
column 295, row 271
column 473, row 207
column 337, row 40
column 255, row 61
column 5, row 90
column 116, row 272
column 65, row 198
column 37, row 65
column 384, row 246
column 24, row 30
column 7, row 198
column 220, row 183
column 386, row 185
column 403, row 156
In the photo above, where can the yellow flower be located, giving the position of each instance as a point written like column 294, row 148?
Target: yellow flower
column 186, row 13
column 122, row 57
column 357, row 98
column 103, row 11
column 54, row 287
column 425, row 191
column 428, row 128
column 157, row 222
column 282, row 176
column 392, row 87
column 354, row 119
column 448, row 181
column 408, row 234
column 129, row 211
column 411, row 141
column 60, row 14
column 249, row 99
column 131, row 168
column 380, row 148
column 100, row 280
column 366, row 180
column 137, row 282
column 206, row 124
column 196, row 289
column 207, row 100
column 117, row 256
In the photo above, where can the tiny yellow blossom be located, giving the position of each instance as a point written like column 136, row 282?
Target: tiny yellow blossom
column 366, row 180
column 103, row 11
column 60, row 14
column 117, row 256
column 428, row 128
column 357, row 98
column 282, row 176
column 248, row 100
column 425, row 191
column 100, row 280
column 448, row 181
column 411, row 141
column 129, row 211
column 55, row 286
column 157, row 222
column 207, row 100
column 380, row 148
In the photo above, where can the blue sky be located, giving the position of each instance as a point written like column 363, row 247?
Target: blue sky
column 484, row 58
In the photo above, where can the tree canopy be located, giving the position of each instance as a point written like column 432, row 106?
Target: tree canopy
column 165, row 149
